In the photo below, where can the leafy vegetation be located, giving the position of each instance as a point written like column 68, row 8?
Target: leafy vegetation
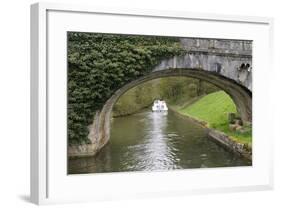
column 180, row 90
column 136, row 99
column 99, row 64
column 174, row 90
column 214, row 109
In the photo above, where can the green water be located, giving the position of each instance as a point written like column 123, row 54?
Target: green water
column 155, row 141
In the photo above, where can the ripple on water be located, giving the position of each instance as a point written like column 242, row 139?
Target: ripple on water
column 150, row 141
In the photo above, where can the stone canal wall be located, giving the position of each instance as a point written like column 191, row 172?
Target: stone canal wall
column 230, row 144
column 221, row 138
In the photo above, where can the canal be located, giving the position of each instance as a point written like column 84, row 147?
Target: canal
column 150, row 141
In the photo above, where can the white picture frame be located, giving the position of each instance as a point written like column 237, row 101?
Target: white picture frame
column 49, row 180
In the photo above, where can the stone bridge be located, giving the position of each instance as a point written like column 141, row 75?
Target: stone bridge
column 224, row 63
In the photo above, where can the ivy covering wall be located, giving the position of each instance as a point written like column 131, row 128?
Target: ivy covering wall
column 99, row 64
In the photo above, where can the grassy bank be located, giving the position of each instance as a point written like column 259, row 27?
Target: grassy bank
column 213, row 109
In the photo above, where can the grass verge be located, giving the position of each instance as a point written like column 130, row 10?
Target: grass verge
column 214, row 109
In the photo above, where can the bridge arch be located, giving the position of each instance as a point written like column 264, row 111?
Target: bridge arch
column 242, row 97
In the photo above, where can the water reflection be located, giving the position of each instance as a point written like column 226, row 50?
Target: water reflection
column 157, row 153
column 156, row 141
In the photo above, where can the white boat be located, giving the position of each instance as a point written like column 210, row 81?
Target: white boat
column 159, row 105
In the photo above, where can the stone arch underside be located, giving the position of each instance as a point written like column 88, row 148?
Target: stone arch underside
column 100, row 129
column 224, row 63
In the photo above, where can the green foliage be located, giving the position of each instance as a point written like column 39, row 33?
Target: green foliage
column 179, row 90
column 173, row 87
column 207, row 88
column 193, row 89
column 99, row 64
column 136, row 99
column 174, row 90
